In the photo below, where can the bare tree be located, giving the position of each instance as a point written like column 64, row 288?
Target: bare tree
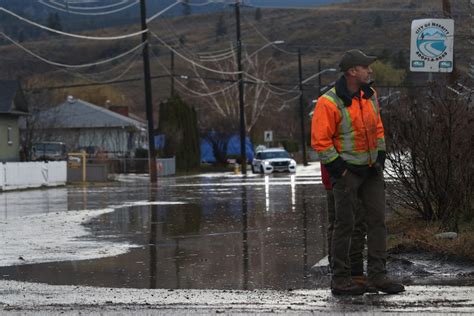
column 223, row 107
column 430, row 155
column 33, row 129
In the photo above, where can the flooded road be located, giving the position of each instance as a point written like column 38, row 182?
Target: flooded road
column 210, row 243
column 202, row 232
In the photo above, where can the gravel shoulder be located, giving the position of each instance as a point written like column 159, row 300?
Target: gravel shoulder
column 24, row 298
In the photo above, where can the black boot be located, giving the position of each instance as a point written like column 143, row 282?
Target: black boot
column 385, row 284
column 347, row 288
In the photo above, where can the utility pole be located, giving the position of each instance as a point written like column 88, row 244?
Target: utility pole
column 302, row 118
column 172, row 72
column 319, row 78
column 243, row 154
column 471, row 41
column 448, row 15
column 148, row 97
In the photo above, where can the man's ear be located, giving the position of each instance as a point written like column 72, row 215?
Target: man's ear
column 351, row 71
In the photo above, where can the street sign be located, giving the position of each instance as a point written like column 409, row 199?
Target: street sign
column 268, row 136
column 432, row 43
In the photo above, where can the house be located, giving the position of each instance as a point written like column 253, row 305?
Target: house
column 80, row 124
column 12, row 106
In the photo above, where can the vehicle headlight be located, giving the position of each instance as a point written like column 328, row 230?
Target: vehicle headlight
column 292, row 162
column 266, row 162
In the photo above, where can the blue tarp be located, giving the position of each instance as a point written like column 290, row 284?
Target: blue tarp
column 207, row 154
column 160, row 141
column 233, row 148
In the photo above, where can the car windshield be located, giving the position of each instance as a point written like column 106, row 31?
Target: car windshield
column 275, row 154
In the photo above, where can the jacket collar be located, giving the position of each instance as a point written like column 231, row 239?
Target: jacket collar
column 343, row 93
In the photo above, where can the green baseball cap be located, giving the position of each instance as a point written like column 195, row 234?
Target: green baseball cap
column 355, row 57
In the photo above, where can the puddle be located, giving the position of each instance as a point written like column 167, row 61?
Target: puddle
column 196, row 233
column 231, row 233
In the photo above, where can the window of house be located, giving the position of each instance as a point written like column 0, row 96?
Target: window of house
column 9, row 136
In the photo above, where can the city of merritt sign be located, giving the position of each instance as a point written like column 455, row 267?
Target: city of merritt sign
column 432, row 43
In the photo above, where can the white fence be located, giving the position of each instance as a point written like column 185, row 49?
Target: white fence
column 22, row 175
column 165, row 166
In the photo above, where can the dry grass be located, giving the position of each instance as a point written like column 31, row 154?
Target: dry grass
column 407, row 233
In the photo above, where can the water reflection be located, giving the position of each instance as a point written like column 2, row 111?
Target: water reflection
column 257, row 233
column 267, row 193
column 245, row 245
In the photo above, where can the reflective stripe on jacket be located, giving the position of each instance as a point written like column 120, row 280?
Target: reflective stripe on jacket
column 354, row 133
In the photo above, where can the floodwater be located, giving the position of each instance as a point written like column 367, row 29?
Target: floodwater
column 210, row 231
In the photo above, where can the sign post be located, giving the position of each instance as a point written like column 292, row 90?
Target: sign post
column 432, row 45
column 267, row 137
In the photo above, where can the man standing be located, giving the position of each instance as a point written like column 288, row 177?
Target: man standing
column 348, row 135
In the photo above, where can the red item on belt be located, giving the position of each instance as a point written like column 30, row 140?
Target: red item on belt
column 325, row 177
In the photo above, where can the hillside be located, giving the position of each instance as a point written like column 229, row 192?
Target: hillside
column 323, row 33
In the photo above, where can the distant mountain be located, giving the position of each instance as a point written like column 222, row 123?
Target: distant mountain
column 79, row 15
column 290, row 3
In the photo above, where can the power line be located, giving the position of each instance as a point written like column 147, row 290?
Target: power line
column 198, row 77
column 67, row 5
column 193, row 62
column 163, row 11
column 267, row 40
column 66, row 65
column 131, row 64
column 105, row 38
column 89, row 13
column 189, row 89
column 207, row 3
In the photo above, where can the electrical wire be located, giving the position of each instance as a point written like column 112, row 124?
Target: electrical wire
column 191, row 90
column 89, row 13
column 173, row 32
column 105, row 38
column 258, row 80
column 266, row 39
column 285, row 102
column 207, row 3
column 95, row 79
column 191, row 61
column 108, row 80
column 116, row 4
column 66, row 65
column 163, row 11
column 217, row 52
column 216, row 56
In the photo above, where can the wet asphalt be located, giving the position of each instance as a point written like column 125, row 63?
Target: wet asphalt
column 197, row 244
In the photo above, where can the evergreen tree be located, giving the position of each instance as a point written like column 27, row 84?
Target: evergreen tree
column 178, row 122
column 221, row 28
column 258, row 14
column 400, row 60
column 186, row 8
column 54, row 21
column 378, row 21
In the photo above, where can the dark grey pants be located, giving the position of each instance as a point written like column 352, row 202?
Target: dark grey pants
column 356, row 252
column 348, row 191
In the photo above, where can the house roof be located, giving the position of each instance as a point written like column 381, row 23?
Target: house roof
column 77, row 113
column 10, row 103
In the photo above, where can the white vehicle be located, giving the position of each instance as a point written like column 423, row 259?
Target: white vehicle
column 273, row 159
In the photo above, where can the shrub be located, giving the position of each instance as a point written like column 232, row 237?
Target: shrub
column 430, row 149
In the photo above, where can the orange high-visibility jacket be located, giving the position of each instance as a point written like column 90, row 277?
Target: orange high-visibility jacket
column 354, row 133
